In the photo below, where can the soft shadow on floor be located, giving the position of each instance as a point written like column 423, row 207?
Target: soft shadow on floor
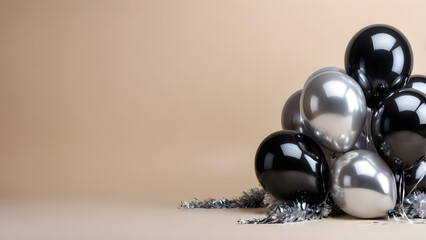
column 349, row 217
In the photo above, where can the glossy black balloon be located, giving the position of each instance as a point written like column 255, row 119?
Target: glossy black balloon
column 380, row 59
column 398, row 128
column 292, row 167
column 417, row 82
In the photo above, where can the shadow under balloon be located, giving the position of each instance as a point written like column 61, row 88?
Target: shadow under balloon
column 348, row 217
column 345, row 217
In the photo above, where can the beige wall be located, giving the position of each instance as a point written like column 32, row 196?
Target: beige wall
column 161, row 100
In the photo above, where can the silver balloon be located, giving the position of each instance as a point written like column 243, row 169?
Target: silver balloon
column 362, row 184
column 333, row 110
column 290, row 116
column 323, row 70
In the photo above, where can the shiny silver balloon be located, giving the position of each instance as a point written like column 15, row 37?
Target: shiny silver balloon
column 362, row 184
column 323, row 70
column 333, row 110
column 290, row 116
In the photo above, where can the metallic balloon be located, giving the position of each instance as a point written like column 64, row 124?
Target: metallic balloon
column 333, row 110
column 290, row 116
column 362, row 185
column 398, row 128
column 380, row 59
column 323, row 70
column 291, row 167
column 417, row 82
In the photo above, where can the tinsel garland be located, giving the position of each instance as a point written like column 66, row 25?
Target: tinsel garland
column 281, row 212
column 253, row 198
column 411, row 209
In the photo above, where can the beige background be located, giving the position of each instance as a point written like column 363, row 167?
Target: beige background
column 161, row 101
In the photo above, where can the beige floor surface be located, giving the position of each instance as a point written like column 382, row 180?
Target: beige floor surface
column 102, row 220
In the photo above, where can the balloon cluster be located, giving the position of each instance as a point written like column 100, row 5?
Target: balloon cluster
column 358, row 134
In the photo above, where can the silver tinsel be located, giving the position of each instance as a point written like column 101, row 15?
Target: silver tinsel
column 280, row 212
column 253, row 198
column 411, row 210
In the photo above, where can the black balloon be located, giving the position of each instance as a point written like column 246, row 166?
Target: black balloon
column 417, row 82
column 379, row 58
column 398, row 128
column 291, row 166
